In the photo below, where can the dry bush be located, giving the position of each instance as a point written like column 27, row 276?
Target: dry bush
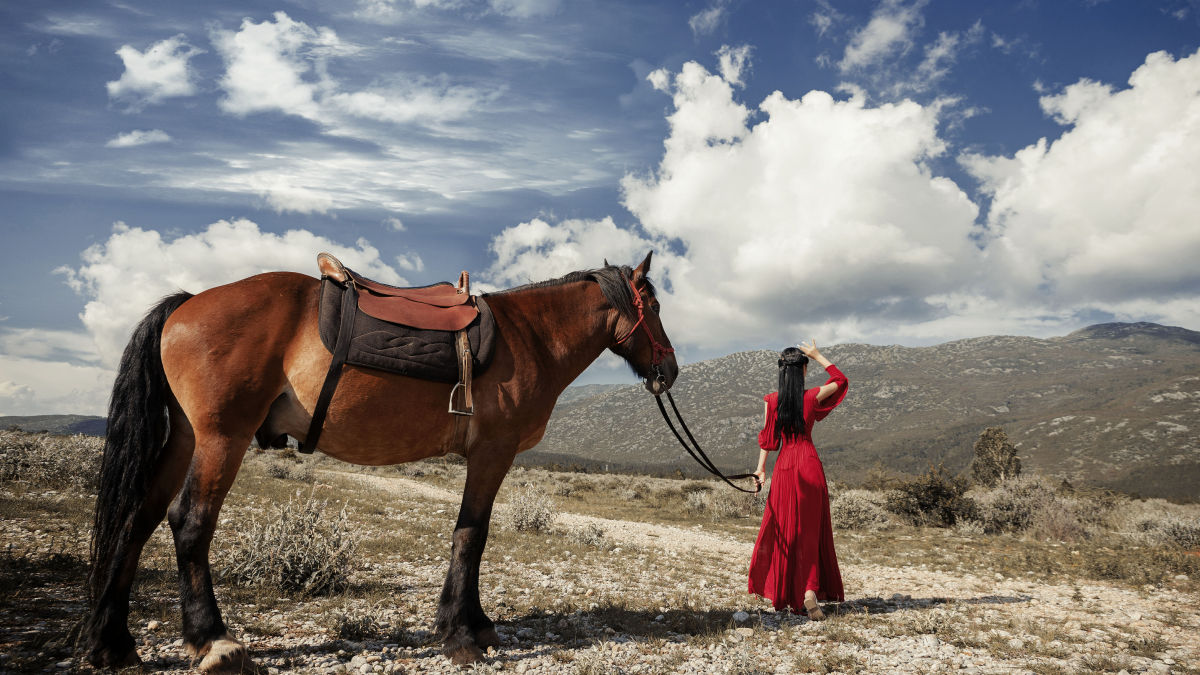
column 301, row 547
column 1013, row 504
column 859, row 510
column 1170, row 530
column 589, row 534
column 723, row 502
column 995, row 458
column 529, row 509
column 934, row 498
column 50, row 460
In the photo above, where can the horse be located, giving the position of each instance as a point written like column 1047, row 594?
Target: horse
column 203, row 374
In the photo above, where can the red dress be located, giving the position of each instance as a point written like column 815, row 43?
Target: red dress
column 794, row 551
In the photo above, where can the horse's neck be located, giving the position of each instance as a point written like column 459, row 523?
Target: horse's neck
column 564, row 328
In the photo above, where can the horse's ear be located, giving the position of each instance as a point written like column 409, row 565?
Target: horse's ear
column 642, row 270
column 606, row 262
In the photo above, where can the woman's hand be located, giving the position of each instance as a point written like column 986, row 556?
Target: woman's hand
column 760, row 476
column 810, row 350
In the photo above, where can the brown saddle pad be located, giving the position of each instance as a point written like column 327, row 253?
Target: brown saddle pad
column 396, row 348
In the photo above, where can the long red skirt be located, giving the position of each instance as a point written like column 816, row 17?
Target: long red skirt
column 794, row 551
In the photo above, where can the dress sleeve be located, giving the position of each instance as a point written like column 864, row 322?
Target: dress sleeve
column 823, row 408
column 766, row 438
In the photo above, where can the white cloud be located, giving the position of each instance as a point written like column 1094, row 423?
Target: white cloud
column 38, row 387
column 707, row 20
column 733, row 62
column 138, row 137
column 524, row 9
column 395, row 224
column 820, row 214
column 537, row 250
column 423, row 99
column 159, row 73
column 889, row 32
column 410, row 262
column 1106, row 213
column 124, row 276
column 267, row 64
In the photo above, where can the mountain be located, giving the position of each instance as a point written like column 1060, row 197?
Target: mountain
column 1114, row 404
column 58, row 424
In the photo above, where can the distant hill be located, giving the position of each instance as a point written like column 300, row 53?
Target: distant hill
column 1113, row 404
column 58, row 424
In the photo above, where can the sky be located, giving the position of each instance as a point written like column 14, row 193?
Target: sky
column 880, row 171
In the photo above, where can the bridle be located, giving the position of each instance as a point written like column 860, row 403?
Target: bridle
column 656, row 360
column 660, row 352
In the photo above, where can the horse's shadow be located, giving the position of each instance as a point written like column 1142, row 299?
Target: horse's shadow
column 547, row 632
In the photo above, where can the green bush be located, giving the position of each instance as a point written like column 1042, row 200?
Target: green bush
column 995, row 458
column 934, row 498
column 301, row 548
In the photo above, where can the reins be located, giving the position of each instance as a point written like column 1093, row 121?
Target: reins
column 698, row 454
column 694, row 449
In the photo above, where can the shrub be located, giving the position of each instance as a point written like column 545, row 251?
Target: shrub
column 1013, row 504
column 50, row 460
column 995, row 458
column 1170, row 530
column 528, row 510
column 935, row 498
column 723, row 502
column 299, row 548
column 589, row 534
column 859, row 510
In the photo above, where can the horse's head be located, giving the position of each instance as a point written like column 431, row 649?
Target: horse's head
column 640, row 338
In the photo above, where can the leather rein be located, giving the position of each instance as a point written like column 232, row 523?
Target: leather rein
column 656, row 360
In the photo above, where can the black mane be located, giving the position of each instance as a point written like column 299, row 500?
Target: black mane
column 613, row 282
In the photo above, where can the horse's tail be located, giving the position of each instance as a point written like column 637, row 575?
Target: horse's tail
column 137, row 430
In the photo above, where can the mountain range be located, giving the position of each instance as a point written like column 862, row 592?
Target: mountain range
column 1114, row 405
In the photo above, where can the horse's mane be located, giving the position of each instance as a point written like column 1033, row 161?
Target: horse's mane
column 613, row 282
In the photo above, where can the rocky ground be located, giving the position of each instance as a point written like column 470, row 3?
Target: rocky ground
column 596, row 595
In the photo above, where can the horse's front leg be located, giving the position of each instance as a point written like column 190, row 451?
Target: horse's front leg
column 463, row 627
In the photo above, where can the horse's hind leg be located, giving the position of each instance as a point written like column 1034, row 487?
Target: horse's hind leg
column 193, row 519
column 110, row 643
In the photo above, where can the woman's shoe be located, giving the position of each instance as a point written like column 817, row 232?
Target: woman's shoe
column 813, row 607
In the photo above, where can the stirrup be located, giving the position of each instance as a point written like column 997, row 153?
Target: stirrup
column 468, row 410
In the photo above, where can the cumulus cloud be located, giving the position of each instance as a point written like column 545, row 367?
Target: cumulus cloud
column 138, row 137
column 38, row 387
column 1106, row 213
column 159, row 73
column 267, row 66
column 823, row 212
column 125, row 275
column 889, row 32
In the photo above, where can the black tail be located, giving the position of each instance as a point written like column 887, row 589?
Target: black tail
column 137, row 430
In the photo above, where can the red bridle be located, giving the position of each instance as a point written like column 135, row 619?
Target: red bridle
column 659, row 351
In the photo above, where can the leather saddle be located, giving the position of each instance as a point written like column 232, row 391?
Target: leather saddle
column 439, row 332
column 440, row 306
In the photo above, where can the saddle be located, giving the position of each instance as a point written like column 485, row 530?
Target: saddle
column 439, row 332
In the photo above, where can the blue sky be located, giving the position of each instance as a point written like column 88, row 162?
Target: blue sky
column 885, row 171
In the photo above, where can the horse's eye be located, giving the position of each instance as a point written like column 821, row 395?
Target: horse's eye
column 656, row 307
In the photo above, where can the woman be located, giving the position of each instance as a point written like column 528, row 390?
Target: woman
column 794, row 564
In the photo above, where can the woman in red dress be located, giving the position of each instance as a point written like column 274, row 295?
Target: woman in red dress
column 794, row 564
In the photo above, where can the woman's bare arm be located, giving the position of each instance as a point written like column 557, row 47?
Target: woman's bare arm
column 810, row 350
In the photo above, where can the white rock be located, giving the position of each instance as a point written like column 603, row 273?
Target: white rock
column 741, row 617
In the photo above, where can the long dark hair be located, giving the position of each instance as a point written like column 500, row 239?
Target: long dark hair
column 789, row 420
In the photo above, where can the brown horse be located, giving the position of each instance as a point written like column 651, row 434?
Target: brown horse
column 202, row 374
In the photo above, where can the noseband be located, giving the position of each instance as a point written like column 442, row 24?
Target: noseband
column 660, row 352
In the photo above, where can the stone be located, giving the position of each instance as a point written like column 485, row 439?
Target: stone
column 741, row 617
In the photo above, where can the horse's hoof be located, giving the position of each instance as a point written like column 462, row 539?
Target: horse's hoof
column 487, row 638
column 106, row 658
column 463, row 654
column 226, row 655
